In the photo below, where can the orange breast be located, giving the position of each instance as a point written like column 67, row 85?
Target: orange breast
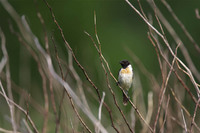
column 125, row 71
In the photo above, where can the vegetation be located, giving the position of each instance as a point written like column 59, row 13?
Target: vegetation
column 60, row 61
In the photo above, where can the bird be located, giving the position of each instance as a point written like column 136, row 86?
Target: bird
column 125, row 78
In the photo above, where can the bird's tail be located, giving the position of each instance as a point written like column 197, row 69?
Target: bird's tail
column 125, row 99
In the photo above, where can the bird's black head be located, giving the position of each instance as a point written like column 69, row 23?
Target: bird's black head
column 124, row 63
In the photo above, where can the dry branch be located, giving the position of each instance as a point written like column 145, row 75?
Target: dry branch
column 168, row 46
column 48, row 60
column 20, row 108
column 106, row 73
column 181, row 25
column 158, row 116
column 8, row 79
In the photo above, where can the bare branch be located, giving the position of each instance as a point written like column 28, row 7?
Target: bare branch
column 77, row 62
column 177, row 100
column 182, row 47
column 166, row 113
column 61, row 81
column 100, row 109
column 175, row 72
column 181, row 25
column 170, row 49
column 106, row 73
column 78, row 80
column 197, row 13
column 185, row 126
column 163, row 92
column 107, row 81
column 7, row 131
column 149, row 111
column 20, row 108
column 27, row 126
column 8, row 80
column 137, row 111
column 58, row 119
column 195, row 111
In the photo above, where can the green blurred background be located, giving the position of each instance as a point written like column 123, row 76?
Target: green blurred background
column 118, row 27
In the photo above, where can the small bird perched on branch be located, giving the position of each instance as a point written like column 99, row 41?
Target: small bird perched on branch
column 125, row 78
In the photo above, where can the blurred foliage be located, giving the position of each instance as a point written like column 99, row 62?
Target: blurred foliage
column 118, row 27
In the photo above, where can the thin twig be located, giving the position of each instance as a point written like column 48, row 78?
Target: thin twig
column 175, row 72
column 142, row 68
column 42, row 74
column 63, row 92
column 106, row 73
column 158, row 56
column 109, row 86
column 20, row 108
column 47, row 49
column 185, row 126
column 163, row 92
column 8, row 7
column 181, row 25
column 6, row 131
column 100, row 106
column 166, row 113
column 23, row 93
column 37, row 60
column 177, row 122
column 77, row 62
column 197, row 13
column 178, row 101
column 193, row 118
column 78, row 80
column 72, row 125
column 137, row 111
column 133, row 119
column 149, row 111
column 3, row 48
column 69, row 96
column 48, row 60
column 8, row 80
column 100, row 110
column 46, row 99
column 27, row 126
column 168, row 46
column 192, row 68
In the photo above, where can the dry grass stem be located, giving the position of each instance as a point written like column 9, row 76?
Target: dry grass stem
column 166, row 113
column 149, row 112
column 184, row 121
column 193, row 118
column 182, row 47
column 178, row 101
column 181, row 25
column 8, row 80
column 62, row 82
column 168, row 46
column 197, row 13
column 137, row 111
column 79, row 65
column 68, row 94
column 7, row 131
column 99, row 115
column 106, row 73
column 27, row 126
column 58, row 119
column 20, row 108
column 163, row 91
